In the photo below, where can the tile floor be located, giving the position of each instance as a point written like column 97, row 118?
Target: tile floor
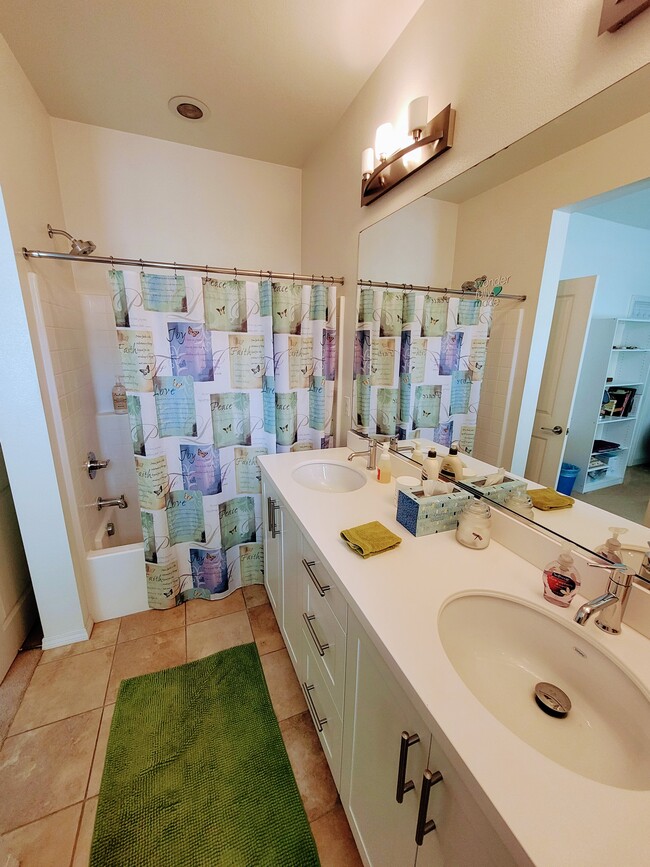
column 56, row 709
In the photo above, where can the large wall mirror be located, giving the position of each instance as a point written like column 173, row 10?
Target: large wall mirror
column 562, row 217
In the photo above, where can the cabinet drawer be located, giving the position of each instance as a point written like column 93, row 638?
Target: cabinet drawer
column 324, row 715
column 319, row 578
column 326, row 640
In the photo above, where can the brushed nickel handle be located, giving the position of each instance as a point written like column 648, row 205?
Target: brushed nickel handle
column 321, row 648
column 322, row 588
column 424, row 826
column 403, row 786
column 271, row 507
column 556, row 430
column 318, row 721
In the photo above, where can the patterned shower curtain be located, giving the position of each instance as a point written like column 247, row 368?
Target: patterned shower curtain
column 217, row 373
column 418, row 364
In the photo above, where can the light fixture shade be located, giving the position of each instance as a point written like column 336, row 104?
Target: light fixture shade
column 417, row 113
column 384, row 141
column 367, row 161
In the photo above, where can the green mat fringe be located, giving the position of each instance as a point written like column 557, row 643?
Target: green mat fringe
column 197, row 775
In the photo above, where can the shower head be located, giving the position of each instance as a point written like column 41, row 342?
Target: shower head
column 78, row 248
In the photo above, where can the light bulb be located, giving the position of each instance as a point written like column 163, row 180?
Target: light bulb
column 367, row 162
column 384, row 141
column 417, row 113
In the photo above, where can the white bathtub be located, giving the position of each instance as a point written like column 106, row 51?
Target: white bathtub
column 115, row 577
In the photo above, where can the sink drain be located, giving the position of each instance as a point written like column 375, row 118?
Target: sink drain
column 552, row 699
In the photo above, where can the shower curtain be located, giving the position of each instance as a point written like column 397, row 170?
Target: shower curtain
column 217, row 373
column 418, row 364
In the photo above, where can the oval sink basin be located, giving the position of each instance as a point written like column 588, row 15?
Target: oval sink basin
column 502, row 649
column 329, row 477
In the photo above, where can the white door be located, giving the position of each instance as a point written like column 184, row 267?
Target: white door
column 17, row 606
column 561, row 369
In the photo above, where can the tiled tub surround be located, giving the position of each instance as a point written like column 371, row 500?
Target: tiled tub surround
column 397, row 596
column 51, row 760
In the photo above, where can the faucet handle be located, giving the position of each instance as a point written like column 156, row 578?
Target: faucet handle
column 618, row 571
column 618, row 567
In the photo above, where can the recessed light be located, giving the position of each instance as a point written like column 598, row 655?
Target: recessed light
column 189, row 108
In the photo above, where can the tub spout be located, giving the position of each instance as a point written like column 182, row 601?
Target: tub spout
column 120, row 502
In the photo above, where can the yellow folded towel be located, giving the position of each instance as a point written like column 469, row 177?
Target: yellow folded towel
column 547, row 499
column 370, row 539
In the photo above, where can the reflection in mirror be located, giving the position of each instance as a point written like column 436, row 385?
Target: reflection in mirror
column 563, row 399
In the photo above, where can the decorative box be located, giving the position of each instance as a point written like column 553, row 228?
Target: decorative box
column 424, row 515
column 499, row 493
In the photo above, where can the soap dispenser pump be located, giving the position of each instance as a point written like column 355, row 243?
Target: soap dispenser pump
column 383, row 464
column 417, row 454
column 561, row 579
column 611, row 548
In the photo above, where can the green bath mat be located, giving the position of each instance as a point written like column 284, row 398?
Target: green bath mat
column 196, row 773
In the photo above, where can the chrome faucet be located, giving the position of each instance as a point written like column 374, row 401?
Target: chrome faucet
column 370, row 453
column 611, row 604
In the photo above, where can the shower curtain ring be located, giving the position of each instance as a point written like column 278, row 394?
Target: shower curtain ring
column 112, row 264
column 175, row 274
column 141, row 266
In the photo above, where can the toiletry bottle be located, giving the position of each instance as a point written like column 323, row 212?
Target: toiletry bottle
column 417, row 454
column 561, row 579
column 383, row 465
column 119, row 396
column 452, row 464
column 431, row 466
column 611, row 548
column 518, row 501
column 474, row 524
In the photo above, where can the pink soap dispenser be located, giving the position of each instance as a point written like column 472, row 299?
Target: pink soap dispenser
column 561, row 579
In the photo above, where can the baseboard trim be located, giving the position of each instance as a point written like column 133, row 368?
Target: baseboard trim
column 65, row 638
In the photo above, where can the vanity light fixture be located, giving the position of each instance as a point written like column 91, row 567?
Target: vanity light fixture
column 429, row 140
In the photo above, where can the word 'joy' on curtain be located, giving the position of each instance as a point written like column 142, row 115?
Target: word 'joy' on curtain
column 418, row 364
column 217, row 373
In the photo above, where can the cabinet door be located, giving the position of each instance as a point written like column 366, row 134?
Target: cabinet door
column 292, row 590
column 376, row 714
column 272, row 518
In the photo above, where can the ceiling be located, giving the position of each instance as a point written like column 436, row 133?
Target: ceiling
column 277, row 75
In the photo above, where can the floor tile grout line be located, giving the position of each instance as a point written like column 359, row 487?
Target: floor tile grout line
column 55, row 721
column 45, row 816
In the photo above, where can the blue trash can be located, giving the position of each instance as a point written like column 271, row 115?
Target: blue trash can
column 567, row 480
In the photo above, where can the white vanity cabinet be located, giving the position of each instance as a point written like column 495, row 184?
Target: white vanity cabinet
column 380, row 727
column 360, row 712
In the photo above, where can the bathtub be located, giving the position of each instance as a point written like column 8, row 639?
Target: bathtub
column 115, row 576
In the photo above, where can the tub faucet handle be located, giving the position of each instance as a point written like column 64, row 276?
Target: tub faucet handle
column 92, row 464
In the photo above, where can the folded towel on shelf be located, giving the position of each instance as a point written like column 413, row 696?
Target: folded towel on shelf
column 370, row 539
column 548, row 499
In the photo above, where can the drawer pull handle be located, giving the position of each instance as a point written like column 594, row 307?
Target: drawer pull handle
column 403, row 785
column 272, row 506
column 309, row 619
column 318, row 721
column 322, row 588
column 424, row 826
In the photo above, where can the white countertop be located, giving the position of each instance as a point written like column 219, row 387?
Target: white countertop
column 557, row 816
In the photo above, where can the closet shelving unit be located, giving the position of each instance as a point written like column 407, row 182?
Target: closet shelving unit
column 616, row 355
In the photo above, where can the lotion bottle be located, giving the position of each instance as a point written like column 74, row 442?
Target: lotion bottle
column 452, row 464
column 417, row 453
column 383, row 465
column 431, row 466
column 561, row 579
column 119, row 397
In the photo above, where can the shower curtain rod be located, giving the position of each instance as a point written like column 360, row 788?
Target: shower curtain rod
column 179, row 266
column 409, row 287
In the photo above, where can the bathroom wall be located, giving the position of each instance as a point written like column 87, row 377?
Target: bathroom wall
column 507, row 68
column 140, row 197
column 620, row 256
column 30, row 418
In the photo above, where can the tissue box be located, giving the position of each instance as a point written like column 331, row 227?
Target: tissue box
column 499, row 493
column 424, row 515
